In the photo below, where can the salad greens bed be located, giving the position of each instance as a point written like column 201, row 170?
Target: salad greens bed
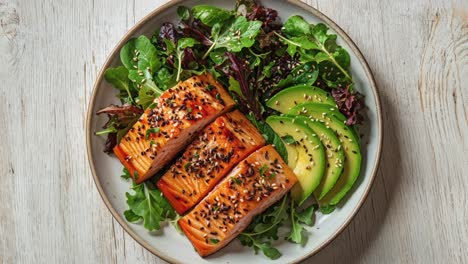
column 252, row 53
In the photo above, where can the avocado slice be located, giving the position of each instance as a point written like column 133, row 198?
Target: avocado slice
column 292, row 96
column 308, row 154
column 350, row 144
column 334, row 154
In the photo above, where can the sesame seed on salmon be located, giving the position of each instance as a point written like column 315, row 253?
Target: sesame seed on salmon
column 218, row 148
column 170, row 124
column 251, row 187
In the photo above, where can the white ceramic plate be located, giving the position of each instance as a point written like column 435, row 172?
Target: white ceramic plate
column 168, row 243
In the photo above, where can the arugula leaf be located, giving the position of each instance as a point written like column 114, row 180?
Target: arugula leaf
column 316, row 45
column 182, row 44
column 296, row 231
column 183, row 12
column 131, row 216
column 306, row 215
column 147, row 203
column 297, row 218
column 265, row 227
column 126, row 174
column 269, row 251
column 240, row 34
column 210, row 15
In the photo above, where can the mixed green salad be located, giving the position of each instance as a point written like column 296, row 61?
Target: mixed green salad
column 290, row 78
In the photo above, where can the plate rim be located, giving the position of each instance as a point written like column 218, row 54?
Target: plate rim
column 156, row 12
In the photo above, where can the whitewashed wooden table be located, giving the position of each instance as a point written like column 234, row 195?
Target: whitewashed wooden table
column 51, row 51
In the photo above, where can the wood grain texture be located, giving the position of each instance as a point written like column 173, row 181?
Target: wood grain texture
column 51, row 52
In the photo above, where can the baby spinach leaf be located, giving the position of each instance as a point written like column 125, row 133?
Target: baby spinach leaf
column 296, row 26
column 306, row 73
column 241, row 34
column 146, row 54
column 210, row 15
column 127, row 54
column 165, row 79
column 118, row 77
column 183, row 12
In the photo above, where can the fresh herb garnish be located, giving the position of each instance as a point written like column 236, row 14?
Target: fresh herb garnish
column 236, row 180
column 214, row 241
column 263, row 170
column 152, row 130
column 272, row 176
column 187, row 165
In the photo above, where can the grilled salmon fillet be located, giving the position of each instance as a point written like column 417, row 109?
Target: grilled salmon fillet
column 218, row 148
column 168, row 127
column 251, row 187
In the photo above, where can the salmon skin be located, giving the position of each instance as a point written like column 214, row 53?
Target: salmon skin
column 218, row 148
column 250, row 188
column 170, row 124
